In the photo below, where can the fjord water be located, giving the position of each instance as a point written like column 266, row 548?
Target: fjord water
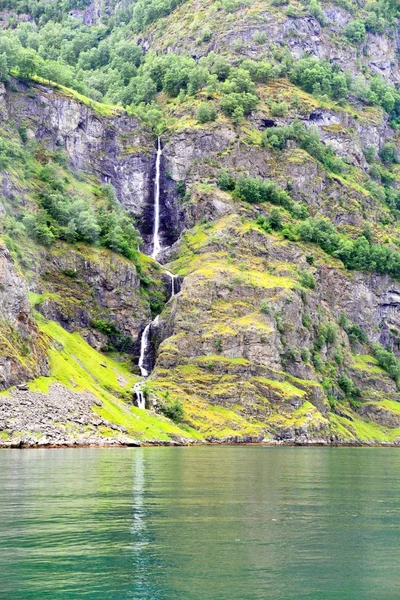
column 215, row 523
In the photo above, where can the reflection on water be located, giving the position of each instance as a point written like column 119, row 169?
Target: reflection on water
column 200, row 523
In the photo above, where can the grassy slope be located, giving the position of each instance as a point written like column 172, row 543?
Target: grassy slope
column 79, row 367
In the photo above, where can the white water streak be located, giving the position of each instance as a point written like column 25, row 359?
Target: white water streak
column 140, row 399
column 144, row 342
column 156, row 237
column 172, row 277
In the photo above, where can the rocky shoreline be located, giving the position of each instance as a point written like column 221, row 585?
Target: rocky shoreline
column 62, row 418
column 128, row 443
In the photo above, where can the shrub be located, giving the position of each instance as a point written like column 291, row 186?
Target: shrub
column 279, row 109
column 305, row 355
column 388, row 361
column 206, row 35
column 260, row 37
column 307, row 280
column 218, row 344
column 117, row 341
column 173, row 409
column 256, row 190
column 226, row 181
column 388, row 153
column 316, row 11
column 275, row 219
column 236, row 104
column 265, row 307
column 370, row 153
column 329, row 332
column 206, row 113
column 348, row 387
column 355, row 32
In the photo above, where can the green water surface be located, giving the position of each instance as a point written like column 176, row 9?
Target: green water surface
column 215, row 523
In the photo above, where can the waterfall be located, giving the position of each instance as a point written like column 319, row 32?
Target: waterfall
column 156, row 237
column 144, row 342
column 172, row 278
column 145, row 339
column 140, row 399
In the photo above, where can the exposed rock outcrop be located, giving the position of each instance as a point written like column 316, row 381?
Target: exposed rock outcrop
column 22, row 349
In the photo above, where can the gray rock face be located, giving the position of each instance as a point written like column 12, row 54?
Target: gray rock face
column 239, row 34
column 21, row 353
column 115, row 148
column 79, row 287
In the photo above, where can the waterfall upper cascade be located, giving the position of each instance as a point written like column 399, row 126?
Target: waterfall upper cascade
column 145, row 339
column 156, row 237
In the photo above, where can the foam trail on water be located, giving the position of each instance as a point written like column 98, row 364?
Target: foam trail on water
column 156, row 237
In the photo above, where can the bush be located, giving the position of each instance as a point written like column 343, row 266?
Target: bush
column 357, row 254
column 388, row 361
column 275, row 219
column 305, row 355
column 206, row 113
column 388, row 153
column 236, row 104
column 117, row 341
column 256, row 190
column 265, row 307
column 307, row 280
column 329, row 332
column 319, row 77
column 206, row 35
column 173, row 409
column 226, row 181
column 260, row 37
column 348, row 387
column 355, row 32
column 308, row 139
column 279, row 109
column 316, row 11
column 370, row 153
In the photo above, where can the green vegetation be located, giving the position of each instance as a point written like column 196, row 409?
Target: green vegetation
column 63, row 211
column 359, row 254
column 388, row 361
column 251, row 292
column 81, row 368
column 308, row 140
column 206, row 112
column 172, row 408
column 117, row 342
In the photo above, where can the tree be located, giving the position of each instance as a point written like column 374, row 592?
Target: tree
column 88, row 226
column 28, row 63
column 4, row 69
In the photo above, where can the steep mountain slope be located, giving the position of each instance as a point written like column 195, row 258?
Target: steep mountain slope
column 278, row 194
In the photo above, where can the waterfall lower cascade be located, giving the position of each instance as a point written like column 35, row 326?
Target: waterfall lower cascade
column 145, row 339
column 144, row 342
column 172, row 278
column 140, row 399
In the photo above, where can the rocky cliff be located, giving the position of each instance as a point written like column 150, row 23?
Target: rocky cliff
column 268, row 332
